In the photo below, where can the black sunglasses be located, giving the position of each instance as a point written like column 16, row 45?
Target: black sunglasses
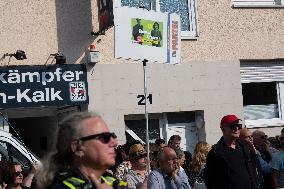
column 236, row 126
column 103, row 137
column 18, row 173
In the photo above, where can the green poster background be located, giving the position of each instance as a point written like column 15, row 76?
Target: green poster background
column 143, row 32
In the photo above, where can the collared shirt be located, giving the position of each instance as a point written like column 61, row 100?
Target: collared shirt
column 265, row 167
column 183, row 176
column 278, row 165
column 134, row 179
column 159, row 180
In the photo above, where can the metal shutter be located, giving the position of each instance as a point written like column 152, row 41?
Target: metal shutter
column 262, row 71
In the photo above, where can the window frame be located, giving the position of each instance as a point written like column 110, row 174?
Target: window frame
column 192, row 7
column 258, row 3
column 274, row 121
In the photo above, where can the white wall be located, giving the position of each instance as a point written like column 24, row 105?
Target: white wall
column 210, row 86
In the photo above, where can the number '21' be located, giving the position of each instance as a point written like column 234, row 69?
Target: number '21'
column 142, row 99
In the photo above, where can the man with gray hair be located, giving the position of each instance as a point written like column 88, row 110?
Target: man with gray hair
column 262, row 146
column 84, row 151
column 166, row 177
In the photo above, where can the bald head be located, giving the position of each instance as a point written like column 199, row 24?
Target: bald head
column 257, row 133
column 245, row 135
column 168, row 160
column 259, row 140
column 165, row 152
column 243, row 131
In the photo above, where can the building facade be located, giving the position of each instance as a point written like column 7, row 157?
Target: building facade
column 231, row 63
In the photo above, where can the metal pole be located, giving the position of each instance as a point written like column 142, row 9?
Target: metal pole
column 146, row 115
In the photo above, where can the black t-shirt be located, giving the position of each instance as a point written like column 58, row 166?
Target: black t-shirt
column 238, row 171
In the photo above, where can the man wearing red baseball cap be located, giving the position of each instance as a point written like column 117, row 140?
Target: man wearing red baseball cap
column 228, row 163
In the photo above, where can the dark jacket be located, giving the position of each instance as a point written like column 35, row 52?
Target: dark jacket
column 73, row 178
column 217, row 171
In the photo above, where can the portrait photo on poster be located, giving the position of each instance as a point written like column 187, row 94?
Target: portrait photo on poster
column 147, row 32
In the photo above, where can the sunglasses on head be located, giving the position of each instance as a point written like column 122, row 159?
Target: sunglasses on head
column 103, row 137
column 18, row 173
column 236, row 126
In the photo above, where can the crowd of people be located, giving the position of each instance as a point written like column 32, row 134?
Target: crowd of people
column 86, row 155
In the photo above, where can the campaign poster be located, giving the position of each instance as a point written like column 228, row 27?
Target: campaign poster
column 141, row 34
column 147, row 32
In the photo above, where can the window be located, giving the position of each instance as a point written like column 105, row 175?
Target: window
column 257, row 3
column 263, row 103
column 185, row 8
column 263, row 93
column 260, row 100
column 3, row 151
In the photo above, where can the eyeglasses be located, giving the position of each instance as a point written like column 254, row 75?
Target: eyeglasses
column 18, row 173
column 263, row 137
column 103, row 137
column 236, row 126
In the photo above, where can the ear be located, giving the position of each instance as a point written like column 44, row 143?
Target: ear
column 75, row 146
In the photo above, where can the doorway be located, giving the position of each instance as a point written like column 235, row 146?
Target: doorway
column 164, row 125
column 36, row 132
column 187, row 132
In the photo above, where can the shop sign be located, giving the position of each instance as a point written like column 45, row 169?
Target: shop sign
column 142, row 34
column 36, row 86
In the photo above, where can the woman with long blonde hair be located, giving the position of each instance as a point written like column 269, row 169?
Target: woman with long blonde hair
column 198, row 162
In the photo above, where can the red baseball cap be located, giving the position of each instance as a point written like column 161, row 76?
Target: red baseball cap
column 229, row 119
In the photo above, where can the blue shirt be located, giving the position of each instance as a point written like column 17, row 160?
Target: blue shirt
column 183, row 177
column 277, row 163
column 264, row 166
column 159, row 180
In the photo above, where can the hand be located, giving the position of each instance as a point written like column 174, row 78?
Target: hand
column 174, row 174
column 144, row 184
column 4, row 186
column 35, row 167
column 177, row 165
column 98, row 183
column 145, row 176
column 251, row 147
